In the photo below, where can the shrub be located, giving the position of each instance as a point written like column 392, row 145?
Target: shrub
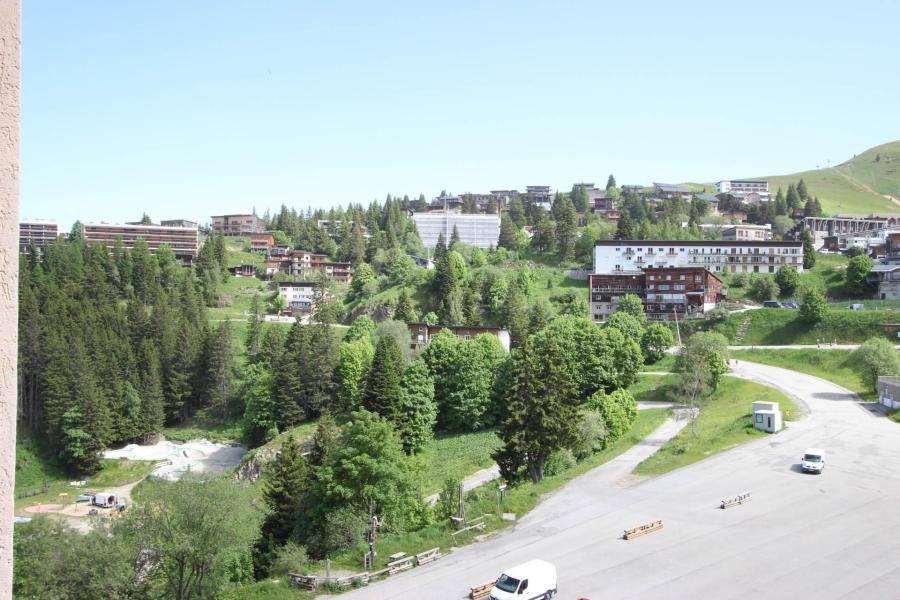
column 591, row 435
column 739, row 280
column 874, row 358
column 763, row 288
column 656, row 340
column 559, row 461
column 813, row 307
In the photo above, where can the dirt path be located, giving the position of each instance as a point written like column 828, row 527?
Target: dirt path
column 859, row 184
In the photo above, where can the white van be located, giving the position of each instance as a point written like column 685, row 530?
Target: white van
column 528, row 581
column 813, row 460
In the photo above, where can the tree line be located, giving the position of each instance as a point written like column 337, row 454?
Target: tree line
column 115, row 344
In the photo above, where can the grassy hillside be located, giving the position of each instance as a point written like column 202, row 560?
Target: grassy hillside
column 861, row 185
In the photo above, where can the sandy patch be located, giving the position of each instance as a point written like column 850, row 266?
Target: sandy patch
column 196, row 456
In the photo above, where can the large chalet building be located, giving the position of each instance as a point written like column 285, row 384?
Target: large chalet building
column 299, row 263
column 678, row 278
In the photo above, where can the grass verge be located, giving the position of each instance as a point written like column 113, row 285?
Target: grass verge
column 831, row 365
column 724, row 422
column 455, row 457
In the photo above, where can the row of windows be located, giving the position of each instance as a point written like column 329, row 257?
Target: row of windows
column 671, row 251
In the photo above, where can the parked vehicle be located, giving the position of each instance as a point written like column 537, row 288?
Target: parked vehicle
column 528, row 581
column 856, row 306
column 104, row 500
column 792, row 305
column 771, row 304
column 813, row 460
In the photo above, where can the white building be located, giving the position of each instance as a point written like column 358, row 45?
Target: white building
column 718, row 256
column 482, row 231
column 744, row 190
column 744, row 232
column 298, row 296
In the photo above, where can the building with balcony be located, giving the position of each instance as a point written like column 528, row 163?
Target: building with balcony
column 667, row 293
column 261, row 242
column 298, row 297
column 299, row 263
column 539, row 195
column 38, row 233
column 421, row 334
column 746, row 191
column 183, row 241
column 481, row 231
column 237, row 224
column 718, row 256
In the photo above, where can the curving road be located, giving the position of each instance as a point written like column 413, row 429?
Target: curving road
column 831, row 536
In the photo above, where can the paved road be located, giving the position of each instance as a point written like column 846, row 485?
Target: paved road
column 836, row 535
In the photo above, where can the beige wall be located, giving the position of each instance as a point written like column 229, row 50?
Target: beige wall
column 10, row 42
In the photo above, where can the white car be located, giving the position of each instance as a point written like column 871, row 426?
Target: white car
column 813, row 460
column 528, row 581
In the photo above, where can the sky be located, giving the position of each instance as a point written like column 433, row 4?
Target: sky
column 189, row 109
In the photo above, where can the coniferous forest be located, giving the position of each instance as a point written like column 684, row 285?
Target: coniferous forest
column 113, row 345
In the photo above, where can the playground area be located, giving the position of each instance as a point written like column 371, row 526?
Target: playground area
column 175, row 459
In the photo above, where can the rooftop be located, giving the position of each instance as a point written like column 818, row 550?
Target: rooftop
column 671, row 188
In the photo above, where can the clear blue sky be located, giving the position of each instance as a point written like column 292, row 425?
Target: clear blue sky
column 187, row 109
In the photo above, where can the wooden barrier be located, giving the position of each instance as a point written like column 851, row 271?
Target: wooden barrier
column 428, row 556
column 735, row 501
column 479, row 526
column 311, row 582
column 402, row 564
column 306, row 582
column 480, row 591
column 643, row 529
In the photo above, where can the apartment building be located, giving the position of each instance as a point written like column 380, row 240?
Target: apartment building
column 740, row 233
column 299, row 263
column 297, row 296
column 39, row 233
column 748, row 191
column 183, row 241
column 422, row 333
column 261, row 242
column 667, row 293
column 718, row 256
column 539, row 195
column 237, row 224
column 481, row 231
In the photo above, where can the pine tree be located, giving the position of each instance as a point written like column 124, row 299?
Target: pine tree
column 283, row 492
column 254, row 330
column 325, row 440
column 219, row 370
column 508, row 233
column 416, row 412
column 405, row 311
column 515, row 315
column 540, row 415
column 566, row 233
column 259, row 406
column 802, row 191
column 517, row 211
column 440, row 248
column 809, row 251
column 454, row 237
column 624, row 228
column 383, row 385
column 794, row 199
column 780, row 206
column 610, row 182
column 289, row 385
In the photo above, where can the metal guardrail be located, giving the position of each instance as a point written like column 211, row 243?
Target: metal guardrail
column 643, row 529
column 743, row 498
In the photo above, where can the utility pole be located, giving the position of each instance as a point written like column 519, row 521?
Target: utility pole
column 374, row 524
column 10, row 85
column 677, row 329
